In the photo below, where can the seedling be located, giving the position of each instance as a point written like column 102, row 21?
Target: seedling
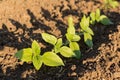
column 33, row 55
column 111, row 4
column 71, row 49
column 73, row 38
column 58, row 45
column 97, row 17
column 87, row 31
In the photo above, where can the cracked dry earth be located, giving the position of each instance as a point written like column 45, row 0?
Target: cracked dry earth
column 22, row 21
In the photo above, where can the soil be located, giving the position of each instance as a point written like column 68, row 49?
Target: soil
column 22, row 21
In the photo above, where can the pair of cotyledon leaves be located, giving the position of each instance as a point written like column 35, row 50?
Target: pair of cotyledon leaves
column 87, row 31
column 33, row 55
column 96, row 16
column 58, row 45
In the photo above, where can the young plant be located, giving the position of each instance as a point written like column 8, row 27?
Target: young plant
column 87, row 31
column 110, row 4
column 73, row 38
column 58, row 45
column 33, row 55
column 97, row 17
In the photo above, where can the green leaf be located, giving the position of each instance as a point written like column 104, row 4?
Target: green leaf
column 97, row 15
column 72, row 37
column 49, row 38
column 24, row 55
column 52, row 59
column 85, row 25
column 114, row 4
column 37, row 62
column 66, row 52
column 58, row 45
column 75, row 47
column 88, row 39
column 35, row 48
column 92, row 16
column 84, row 22
column 71, row 29
column 105, row 20
column 89, row 30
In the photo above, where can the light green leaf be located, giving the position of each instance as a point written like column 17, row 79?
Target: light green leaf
column 71, row 28
column 114, row 4
column 85, row 25
column 88, row 39
column 72, row 37
column 49, row 38
column 105, row 20
column 37, row 62
column 92, row 16
column 75, row 47
column 89, row 30
column 97, row 15
column 24, row 55
column 84, row 22
column 35, row 48
column 66, row 52
column 58, row 45
column 52, row 59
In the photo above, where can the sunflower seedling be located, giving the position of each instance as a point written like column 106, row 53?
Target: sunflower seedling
column 73, row 38
column 58, row 45
column 110, row 4
column 33, row 55
column 87, row 31
column 97, row 17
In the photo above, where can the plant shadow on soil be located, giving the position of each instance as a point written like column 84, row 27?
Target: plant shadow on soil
column 11, row 39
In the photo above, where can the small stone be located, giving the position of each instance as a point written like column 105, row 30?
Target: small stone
column 73, row 74
column 73, row 67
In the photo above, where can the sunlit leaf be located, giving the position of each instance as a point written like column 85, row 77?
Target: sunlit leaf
column 49, row 38
column 72, row 37
column 84, row 22
column 58, row 45
column 114, row 4
column 37, row 62
column 52, row 59
column 105, row 20
column 92, row 16
column 85, row 25
column 88, row 39
column 97, row 15
column 35, row 48
column 24, row 54
column 71, row 28
column 66, row 52
column 75, row 47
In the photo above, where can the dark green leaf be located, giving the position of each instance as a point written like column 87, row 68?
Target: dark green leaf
column 105, row 20
column 37, row 62
column 49, row 38
column 52, row 59
column 24, row 54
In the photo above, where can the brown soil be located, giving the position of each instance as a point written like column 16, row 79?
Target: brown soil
column 22, row 21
